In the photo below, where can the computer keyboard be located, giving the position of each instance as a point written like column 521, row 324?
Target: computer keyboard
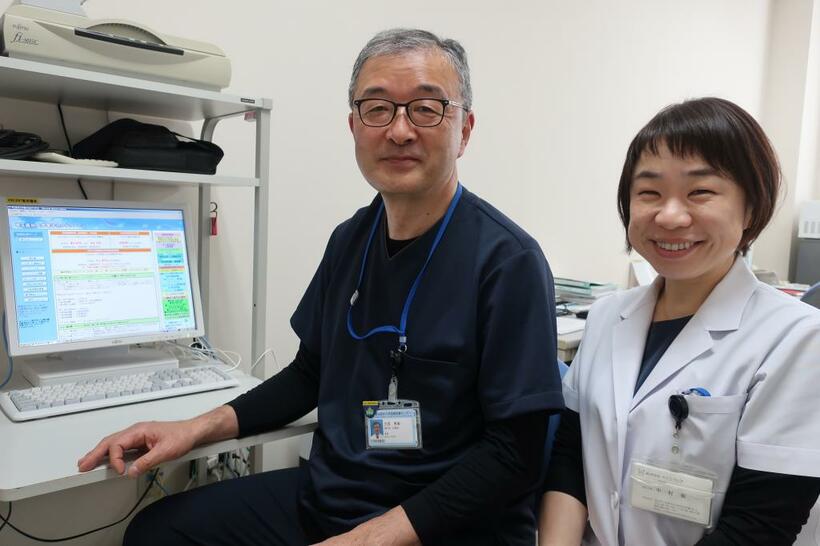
column 101, row 392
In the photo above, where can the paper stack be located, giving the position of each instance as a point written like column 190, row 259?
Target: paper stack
column 583, row 292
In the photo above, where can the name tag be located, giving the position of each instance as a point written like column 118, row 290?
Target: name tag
column 672, row 493
column 392, row 425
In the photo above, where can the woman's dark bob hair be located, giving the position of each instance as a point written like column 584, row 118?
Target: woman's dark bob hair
column 728, row 139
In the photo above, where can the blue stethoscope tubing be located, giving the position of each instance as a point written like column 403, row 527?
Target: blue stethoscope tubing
column 401, row 330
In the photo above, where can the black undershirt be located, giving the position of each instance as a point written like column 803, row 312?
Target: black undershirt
column 660, row 336
column 760, row 508
column 394, row 246
column 504, row 465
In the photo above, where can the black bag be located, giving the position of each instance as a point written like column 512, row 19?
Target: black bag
column 136, row 145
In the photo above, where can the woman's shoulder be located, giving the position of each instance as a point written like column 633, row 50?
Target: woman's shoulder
column 778, row 310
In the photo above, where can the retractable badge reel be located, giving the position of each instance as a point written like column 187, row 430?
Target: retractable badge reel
column 670, row 487
column 393, row 423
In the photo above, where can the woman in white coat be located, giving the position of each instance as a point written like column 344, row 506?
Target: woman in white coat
column 693, row 405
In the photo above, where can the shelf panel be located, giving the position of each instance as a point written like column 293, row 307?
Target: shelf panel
column 9, row 167
column 43, row 82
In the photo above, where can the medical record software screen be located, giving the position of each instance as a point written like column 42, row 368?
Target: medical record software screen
column 83, row 274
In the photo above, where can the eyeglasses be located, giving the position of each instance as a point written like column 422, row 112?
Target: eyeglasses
column 420, row 112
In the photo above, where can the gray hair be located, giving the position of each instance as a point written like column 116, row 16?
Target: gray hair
column 402, row 40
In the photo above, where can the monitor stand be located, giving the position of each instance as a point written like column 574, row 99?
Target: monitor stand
column 93, row 363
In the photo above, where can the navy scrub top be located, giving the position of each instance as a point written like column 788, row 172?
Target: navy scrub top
column 481, row 347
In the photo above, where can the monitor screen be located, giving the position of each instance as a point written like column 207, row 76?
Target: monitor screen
column 80, row 274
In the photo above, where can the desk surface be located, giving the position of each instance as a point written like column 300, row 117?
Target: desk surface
column 568, row 345
column 571, row 340
column 38, row 457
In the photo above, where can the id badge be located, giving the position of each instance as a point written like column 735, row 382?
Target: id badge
column 392, row 425
column 674, row 492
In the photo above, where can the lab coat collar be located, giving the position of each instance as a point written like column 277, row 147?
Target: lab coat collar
column 628, row 340
column 722, row 311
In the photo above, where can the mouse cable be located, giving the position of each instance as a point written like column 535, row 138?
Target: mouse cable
column 6, row 520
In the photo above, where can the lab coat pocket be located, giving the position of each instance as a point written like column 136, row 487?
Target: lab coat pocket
column 716, row 404
column 708, row 436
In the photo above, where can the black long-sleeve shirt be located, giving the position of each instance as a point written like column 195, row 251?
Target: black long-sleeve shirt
column 760, row 508
column 503, row 466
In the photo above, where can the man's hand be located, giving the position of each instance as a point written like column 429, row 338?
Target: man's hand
column 164, row 441
column 390, row 529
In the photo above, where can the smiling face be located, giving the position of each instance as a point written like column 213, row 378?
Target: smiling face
column 685, row 218
column 402, row 158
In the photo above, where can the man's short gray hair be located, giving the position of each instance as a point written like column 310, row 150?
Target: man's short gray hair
column 402, row 40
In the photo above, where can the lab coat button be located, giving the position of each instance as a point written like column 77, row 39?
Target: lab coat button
column 615, row 499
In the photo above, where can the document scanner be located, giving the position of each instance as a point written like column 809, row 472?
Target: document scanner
column 43, row 30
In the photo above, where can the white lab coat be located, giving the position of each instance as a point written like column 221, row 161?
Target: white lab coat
column 755, row 349
column 811, row 530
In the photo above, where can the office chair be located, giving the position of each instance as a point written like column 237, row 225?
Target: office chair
column 812, row 296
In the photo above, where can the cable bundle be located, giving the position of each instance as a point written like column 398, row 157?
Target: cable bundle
column 14, row 145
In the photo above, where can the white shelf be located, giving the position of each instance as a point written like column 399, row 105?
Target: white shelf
column 10, row 167
column 43, row 82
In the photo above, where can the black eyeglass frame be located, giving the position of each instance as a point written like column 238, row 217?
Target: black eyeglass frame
column 444, row 102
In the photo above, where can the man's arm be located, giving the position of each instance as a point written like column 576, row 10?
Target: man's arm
column 164, row 440
column 504, row 465
column 281, row 399
column 390, row 529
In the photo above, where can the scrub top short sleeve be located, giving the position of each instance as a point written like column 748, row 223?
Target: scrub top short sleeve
column 779, row 430
column 519, row 339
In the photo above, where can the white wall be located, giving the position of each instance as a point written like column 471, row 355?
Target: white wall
column 560, row 89
column 789, row 116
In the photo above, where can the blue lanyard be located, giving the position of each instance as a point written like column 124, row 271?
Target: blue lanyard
column 401, row 330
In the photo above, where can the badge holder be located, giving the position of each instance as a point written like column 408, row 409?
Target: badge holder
column 672, row 488
column 392, row 423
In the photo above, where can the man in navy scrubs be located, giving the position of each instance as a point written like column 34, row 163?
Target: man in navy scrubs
column 431, row 313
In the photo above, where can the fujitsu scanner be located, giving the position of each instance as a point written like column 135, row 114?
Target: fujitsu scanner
column 48, row 31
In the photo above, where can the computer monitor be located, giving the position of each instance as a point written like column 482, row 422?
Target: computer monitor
column 94, row 275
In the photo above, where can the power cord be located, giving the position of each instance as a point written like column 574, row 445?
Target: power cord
column 262, row 356
column 158, row 483
column 7, row 520
column 201, row 350
column 70, row 147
